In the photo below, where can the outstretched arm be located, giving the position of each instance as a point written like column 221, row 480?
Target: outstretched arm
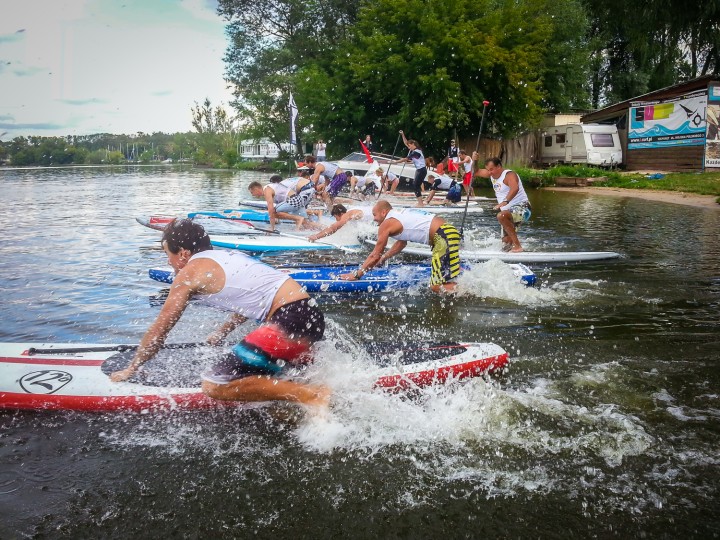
column 180, row 293
column 228, row 326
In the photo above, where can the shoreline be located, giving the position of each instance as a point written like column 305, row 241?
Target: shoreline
column 672, row 197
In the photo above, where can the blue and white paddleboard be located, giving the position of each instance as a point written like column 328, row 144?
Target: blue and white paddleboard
column 327, row 278
column 473, row 207
column 269, row 242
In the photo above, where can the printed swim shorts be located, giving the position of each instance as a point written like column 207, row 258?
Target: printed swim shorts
column 284, row 338
column 445, row 255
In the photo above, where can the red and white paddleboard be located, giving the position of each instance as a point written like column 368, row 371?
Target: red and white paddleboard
column 75, row 377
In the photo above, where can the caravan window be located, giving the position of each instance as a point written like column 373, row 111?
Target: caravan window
column 548, row 140
column 560, row 138
column 602, row 140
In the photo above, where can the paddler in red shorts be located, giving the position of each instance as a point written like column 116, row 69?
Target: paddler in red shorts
column 291, row 321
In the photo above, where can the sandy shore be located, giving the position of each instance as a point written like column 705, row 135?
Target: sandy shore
column 673, row 197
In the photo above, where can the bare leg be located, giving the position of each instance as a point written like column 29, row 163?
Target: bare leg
column 445, row 288
column 505, row 219
column 298, row 220
column 262, row 388
column 395, row 184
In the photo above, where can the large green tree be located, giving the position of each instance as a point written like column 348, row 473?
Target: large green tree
column 645, row 45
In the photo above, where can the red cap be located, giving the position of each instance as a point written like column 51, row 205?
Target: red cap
column 485, row 103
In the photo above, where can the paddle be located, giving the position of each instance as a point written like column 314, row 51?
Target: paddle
column 103, row 348
column 299, row 237
column 384, row 184
column 472, row 168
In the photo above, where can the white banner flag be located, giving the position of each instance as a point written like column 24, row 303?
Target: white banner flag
column 293, row 116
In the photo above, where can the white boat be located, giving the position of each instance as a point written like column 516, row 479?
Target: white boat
column 357, row 163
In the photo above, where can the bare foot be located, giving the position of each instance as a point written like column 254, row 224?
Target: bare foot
column 516, row 249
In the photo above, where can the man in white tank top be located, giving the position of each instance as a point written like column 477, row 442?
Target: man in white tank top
column 290, row 320
column 343, row 216
column 513, row 205
column 275, row 193
column 413, row 226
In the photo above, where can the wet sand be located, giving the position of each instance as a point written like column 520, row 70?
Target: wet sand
column 674, row 197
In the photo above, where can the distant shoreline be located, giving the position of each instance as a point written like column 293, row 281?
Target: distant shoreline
column 673, row 197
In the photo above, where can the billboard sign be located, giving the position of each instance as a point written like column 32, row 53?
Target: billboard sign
column 674, row 122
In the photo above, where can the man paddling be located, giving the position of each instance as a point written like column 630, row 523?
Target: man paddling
column 413, row 226
column 275, row 194
column 513, row 205
column 343, row 216
column 290, row 321
column 328, row 178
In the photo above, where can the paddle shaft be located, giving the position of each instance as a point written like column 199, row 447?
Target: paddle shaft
column 298, row 237
column 119, row 348
column 384, row 184
column 472, row 170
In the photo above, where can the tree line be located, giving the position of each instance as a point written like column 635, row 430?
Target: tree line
column 214, row 142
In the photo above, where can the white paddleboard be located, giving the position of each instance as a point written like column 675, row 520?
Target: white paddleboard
column 522, row 257
column 65, row 376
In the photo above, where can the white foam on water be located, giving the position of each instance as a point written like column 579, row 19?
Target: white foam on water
column 496, row 279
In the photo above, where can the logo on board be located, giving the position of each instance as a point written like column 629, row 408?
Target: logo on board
column 47, row 381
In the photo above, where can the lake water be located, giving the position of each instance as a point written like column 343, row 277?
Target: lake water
column 605, row 425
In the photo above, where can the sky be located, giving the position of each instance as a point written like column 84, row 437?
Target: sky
column 78, row 67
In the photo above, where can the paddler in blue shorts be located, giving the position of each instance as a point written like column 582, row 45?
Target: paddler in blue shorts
column 413, row 226
column 290, row 320
column 329, row 175
column 513, row 205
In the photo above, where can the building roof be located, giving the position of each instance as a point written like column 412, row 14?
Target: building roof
column 618, row 109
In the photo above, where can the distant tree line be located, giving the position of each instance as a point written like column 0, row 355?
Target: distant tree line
column 425, row 66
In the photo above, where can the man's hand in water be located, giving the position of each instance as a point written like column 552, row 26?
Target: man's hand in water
column 122, row 375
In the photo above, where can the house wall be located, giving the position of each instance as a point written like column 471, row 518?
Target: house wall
column 672, row 158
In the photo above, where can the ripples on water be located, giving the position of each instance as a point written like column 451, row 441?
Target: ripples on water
column 604, row 424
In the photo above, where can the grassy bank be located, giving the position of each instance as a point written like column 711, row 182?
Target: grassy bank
column 706, row 183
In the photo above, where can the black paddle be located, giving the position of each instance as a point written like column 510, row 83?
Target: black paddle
column 383, row 185
column 103, row 348
column 472, row 168
column 300, row 237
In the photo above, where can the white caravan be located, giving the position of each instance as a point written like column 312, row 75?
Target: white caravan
column 594, row 144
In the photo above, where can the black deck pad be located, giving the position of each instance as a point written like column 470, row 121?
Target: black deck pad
column 182, row 367
column 170, row 367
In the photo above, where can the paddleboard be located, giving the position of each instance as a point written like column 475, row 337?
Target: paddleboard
column 210, row 224
column 79, row 380
column 246, row 214
column 522, row 257
column 213, row 225
column 270, row 242
column 318, row 279
column 473, row 207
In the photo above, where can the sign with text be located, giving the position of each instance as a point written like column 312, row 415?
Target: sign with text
column 674, row 122
column 712, row 146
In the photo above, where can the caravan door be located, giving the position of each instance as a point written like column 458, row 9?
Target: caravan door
column 569, row 144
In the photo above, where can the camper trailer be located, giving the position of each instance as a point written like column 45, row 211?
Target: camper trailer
column 592, row 144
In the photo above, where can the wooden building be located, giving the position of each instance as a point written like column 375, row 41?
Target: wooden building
column 671, row 129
